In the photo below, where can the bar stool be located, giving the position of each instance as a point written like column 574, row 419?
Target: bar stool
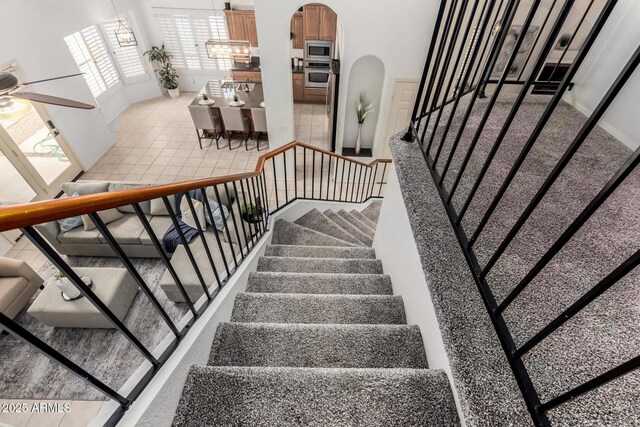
column 205, row 121
column 259, row 124
column 234, row 121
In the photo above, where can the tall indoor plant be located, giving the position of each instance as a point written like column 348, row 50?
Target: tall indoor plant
column 161, row 59
column 363, row 107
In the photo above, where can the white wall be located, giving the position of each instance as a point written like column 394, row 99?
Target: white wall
column 619, row 39
column 397, row 33
column 396, row 247
column 33, row 36
column 367, row 75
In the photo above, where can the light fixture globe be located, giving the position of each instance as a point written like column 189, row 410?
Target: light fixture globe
column 7, row 82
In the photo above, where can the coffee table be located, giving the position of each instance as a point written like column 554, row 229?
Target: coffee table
column 114, row 286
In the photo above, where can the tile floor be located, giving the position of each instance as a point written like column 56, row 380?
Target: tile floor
column 156, row 143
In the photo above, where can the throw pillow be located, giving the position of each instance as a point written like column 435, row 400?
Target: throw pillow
column 219, row 216
column 187, row 214
column 107, row 216
column 227, row 201
column 145, row 206
column 157, row 206
column 85, row 187
column 71, row 222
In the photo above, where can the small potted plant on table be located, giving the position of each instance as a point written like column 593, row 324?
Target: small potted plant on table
column 252, row 213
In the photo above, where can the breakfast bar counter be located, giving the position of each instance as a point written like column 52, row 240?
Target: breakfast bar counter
column 223, row 97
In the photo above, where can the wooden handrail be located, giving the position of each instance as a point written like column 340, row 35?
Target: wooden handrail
column 27, row 214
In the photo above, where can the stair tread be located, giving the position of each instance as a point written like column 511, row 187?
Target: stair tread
column 319, row 283
column 319, row 265
column 373, row 211
column 315, row 397
column 347, row 226
column 318, row 308
column 288, row 233
column 356, row 223
column 317, row 345
column 315, row 220
column 363, row 219
column 320, row 251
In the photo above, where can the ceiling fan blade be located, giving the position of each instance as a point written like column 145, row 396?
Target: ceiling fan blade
column 53, row 78
column 53, row 100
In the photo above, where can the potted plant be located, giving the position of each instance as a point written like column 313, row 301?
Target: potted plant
column 364, row 106
column 169, row 79
column 564, row 41
column 158, row 56
column 252, row 213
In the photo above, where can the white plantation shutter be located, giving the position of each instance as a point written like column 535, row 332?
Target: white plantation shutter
column 185, row 34
column 128, row 58
column 92, row 57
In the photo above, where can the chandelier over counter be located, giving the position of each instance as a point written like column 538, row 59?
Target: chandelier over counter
column 236, row 50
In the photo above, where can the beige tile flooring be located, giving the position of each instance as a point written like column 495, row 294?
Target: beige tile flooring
column 156, row 143
column 79, row 413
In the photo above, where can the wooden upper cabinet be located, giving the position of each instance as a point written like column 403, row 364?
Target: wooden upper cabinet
column 328, row 20
column 251, row 29
column 311, row 15
column 241, row 25
column 319, row 22
column 296, row 29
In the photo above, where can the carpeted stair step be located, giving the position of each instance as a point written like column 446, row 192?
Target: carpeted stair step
column 319, row 265
column 278, row 397
column 372, row 211
column 363, row 219
column 305, row 308
column 318, row 346
column 320, row 251
column 315, row 220
column 319, row 283
column 288, row 233
column 347, row 226
column 356, row 223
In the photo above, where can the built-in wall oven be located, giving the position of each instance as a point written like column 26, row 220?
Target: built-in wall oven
column 318, row 50
column 316, row 75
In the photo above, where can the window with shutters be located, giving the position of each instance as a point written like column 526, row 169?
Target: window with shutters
column 92, row 57
column 185, row 34
column 128, row 58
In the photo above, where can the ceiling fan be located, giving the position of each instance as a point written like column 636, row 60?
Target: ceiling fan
column 9, row 87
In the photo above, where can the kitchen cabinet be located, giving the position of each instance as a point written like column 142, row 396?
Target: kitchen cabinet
column 315, row 96
column 241, row 25
column 297, row 30
column 298, row 86
column 311, row 21
column 251, row 29
column 247, row 76
column 319, row 22
column 328, row 22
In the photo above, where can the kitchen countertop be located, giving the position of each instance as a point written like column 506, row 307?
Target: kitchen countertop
column 252, row 99
column 297, row 70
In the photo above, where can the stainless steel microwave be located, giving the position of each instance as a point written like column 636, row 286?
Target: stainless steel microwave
column 318, row 50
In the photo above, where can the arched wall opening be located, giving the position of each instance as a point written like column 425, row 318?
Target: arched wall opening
column 367, row 75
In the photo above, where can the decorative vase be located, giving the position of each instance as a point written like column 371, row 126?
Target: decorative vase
column 359, row 139
column 174, row 93
column 68, row 288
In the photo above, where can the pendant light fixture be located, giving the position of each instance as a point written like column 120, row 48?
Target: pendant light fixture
column 221, row 48
column 124, row 33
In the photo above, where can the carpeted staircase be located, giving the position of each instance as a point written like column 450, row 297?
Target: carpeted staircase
column 318, row 339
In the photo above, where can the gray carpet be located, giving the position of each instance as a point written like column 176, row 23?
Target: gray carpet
column 267, row 396
column 315, row 220
column 287, row 233
column 320, row 265
column 348, row 227
column 105, row 353
column 356, row 223
column 363, row 219
column 606, row 333
column 299, row 338
column 319, row 283
column 318, row 346
column 373, row 211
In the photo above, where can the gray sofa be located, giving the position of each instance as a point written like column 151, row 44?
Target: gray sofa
column 136, row 243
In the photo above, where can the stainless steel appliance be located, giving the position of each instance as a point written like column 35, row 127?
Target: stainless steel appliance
column 318, row 51
column 316, row 75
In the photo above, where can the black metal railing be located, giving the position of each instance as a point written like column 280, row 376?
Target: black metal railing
column 479, row 47
column 251, row 199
